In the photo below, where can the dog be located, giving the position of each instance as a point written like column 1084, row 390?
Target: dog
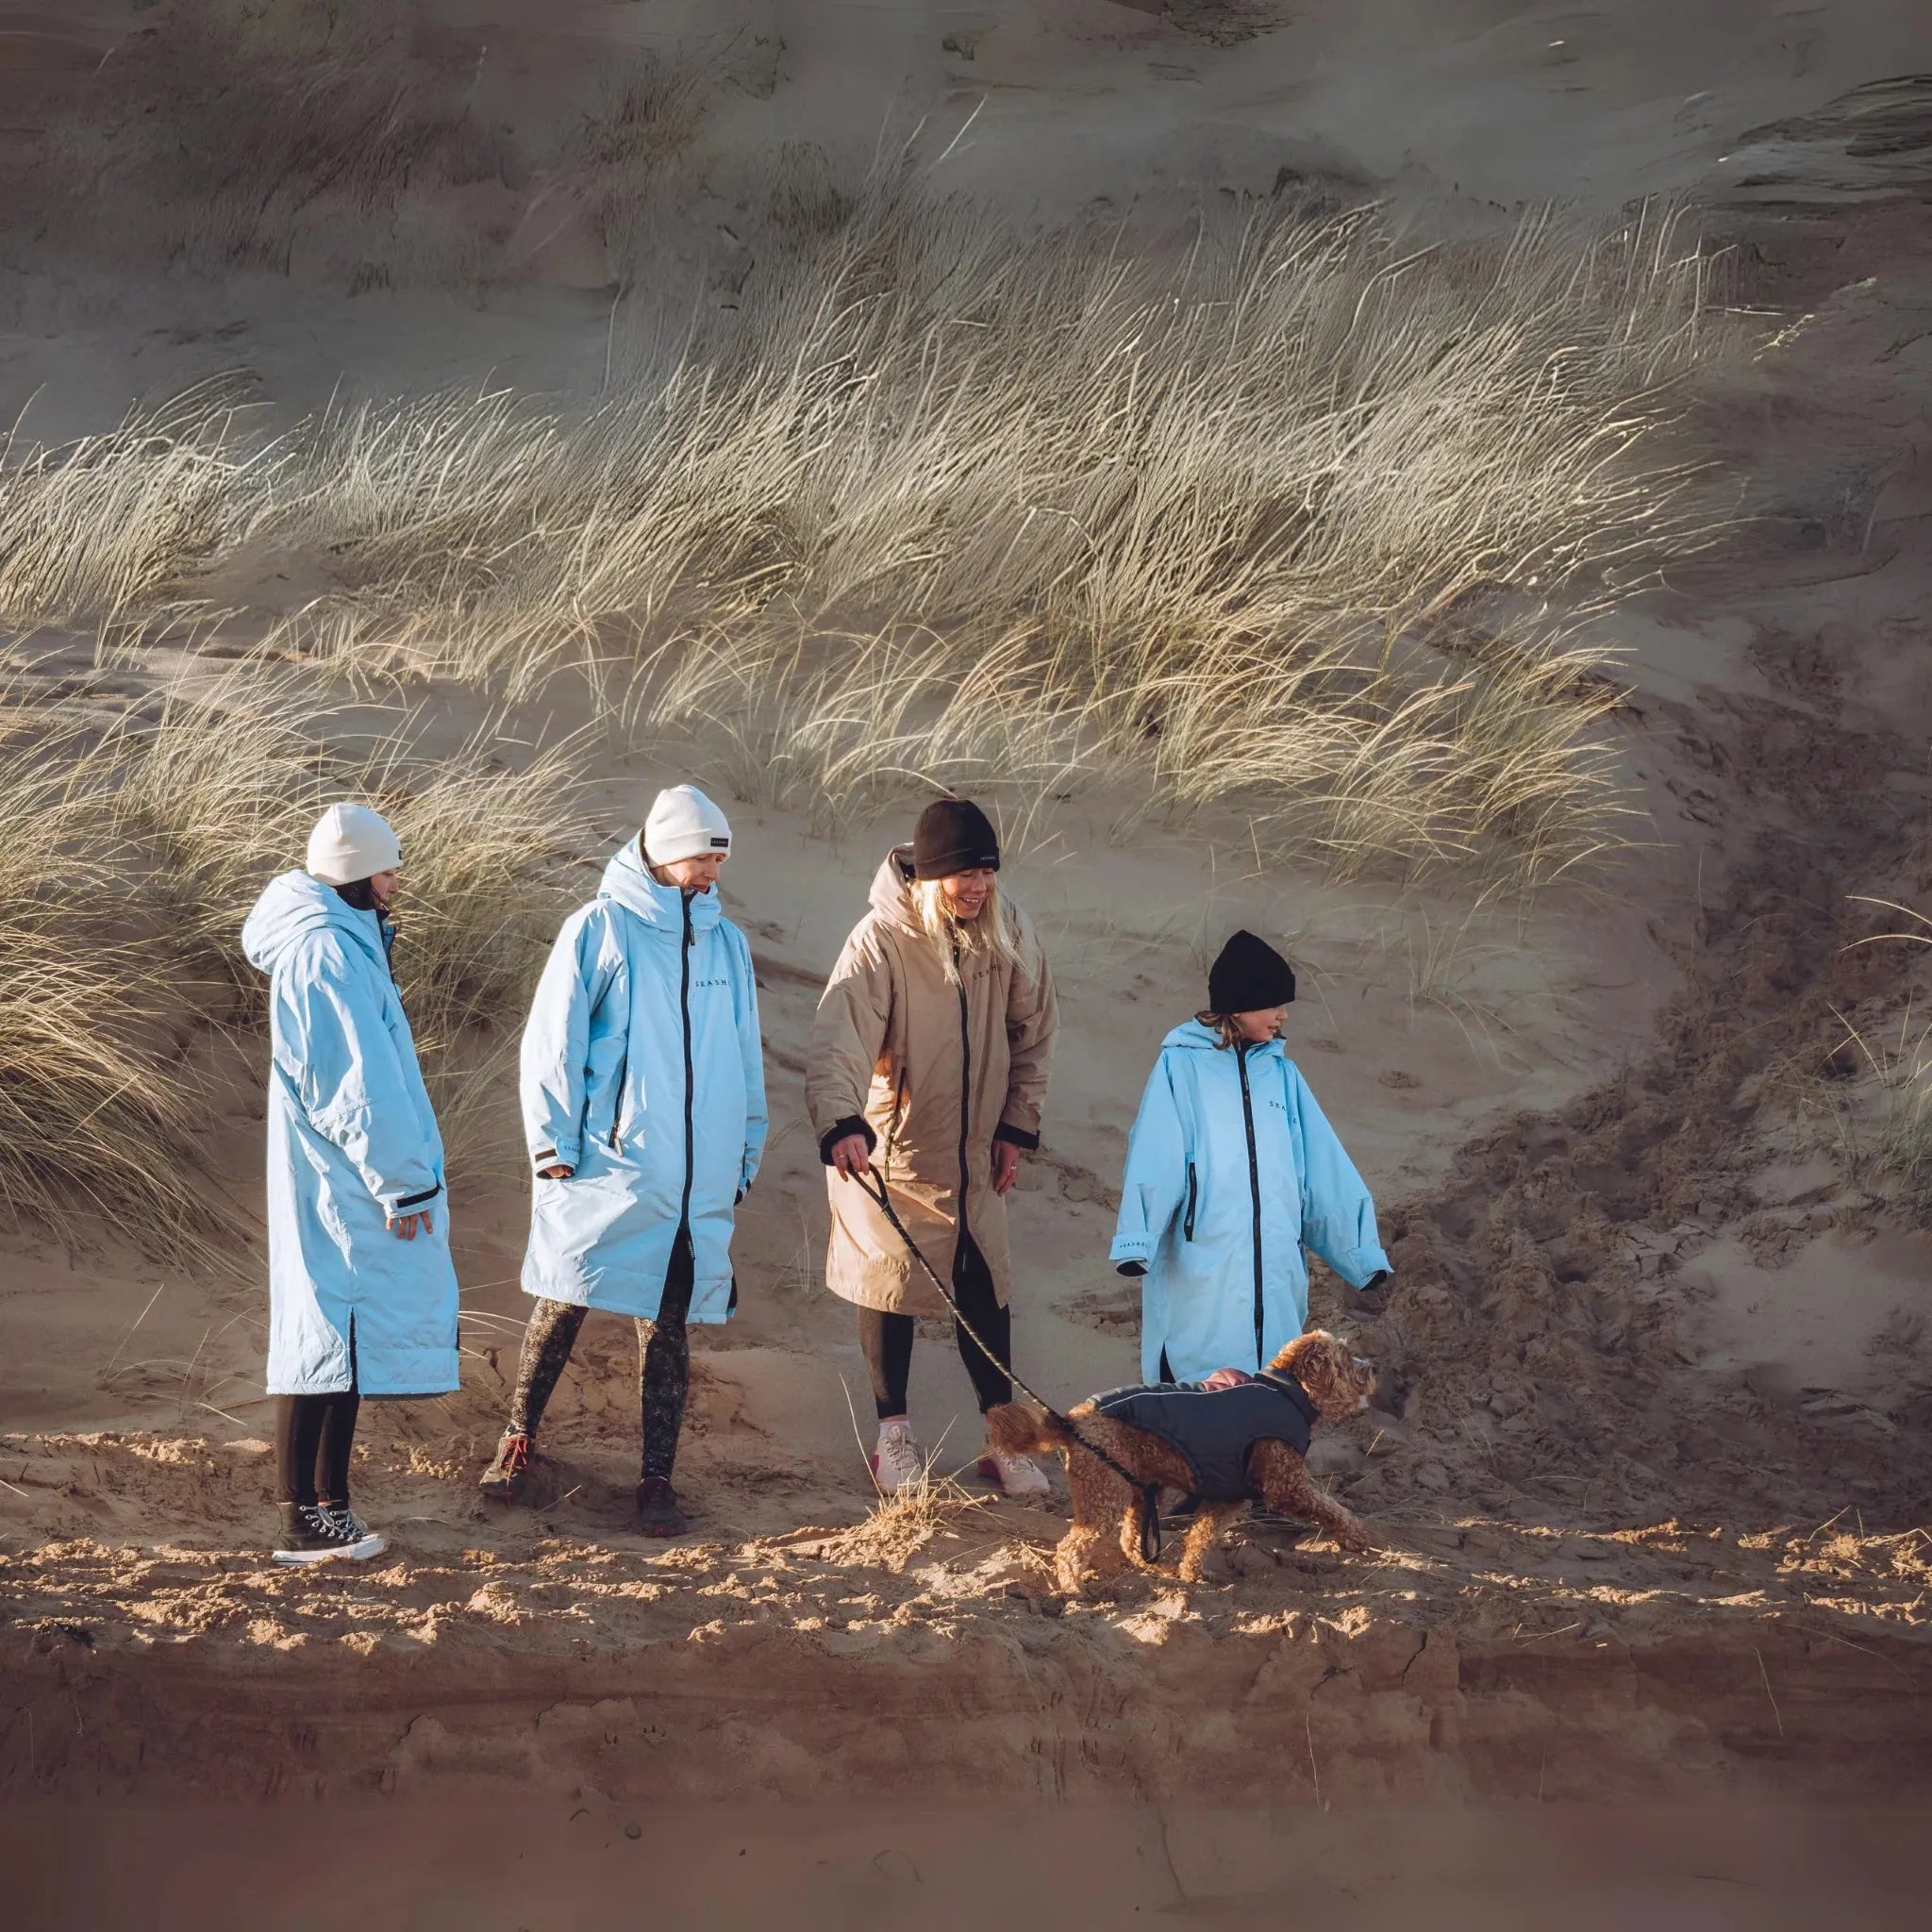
column 1315, row 1376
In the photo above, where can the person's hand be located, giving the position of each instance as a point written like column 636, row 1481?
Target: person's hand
column 558, row 1172
column 1005, row 1166
column 851, row 1156
column 404, row 1225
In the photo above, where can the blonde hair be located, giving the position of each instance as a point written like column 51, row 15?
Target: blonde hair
column 1225, row 1025
column 990, row 930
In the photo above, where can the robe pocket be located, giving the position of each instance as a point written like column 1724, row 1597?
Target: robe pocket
column 569, row 1218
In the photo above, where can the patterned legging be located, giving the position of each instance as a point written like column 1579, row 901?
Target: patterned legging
column 663, row 1363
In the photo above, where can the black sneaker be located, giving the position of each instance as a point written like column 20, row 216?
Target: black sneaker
column 659, row 1513
column 311, row 1535
column 363, row 1542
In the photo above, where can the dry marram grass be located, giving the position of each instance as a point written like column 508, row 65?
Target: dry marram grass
column 899, row 1526
column 94, row 1121
column 141, row 835
column 1303, row 523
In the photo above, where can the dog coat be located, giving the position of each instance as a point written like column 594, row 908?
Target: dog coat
column 1213, row 1430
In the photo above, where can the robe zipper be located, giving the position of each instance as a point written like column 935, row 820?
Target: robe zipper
column 1255, row 1188
column 617, row 1110
column 689, row 1079
column 622, row 1064
column 965, row 1104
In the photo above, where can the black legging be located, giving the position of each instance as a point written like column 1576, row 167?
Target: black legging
column 886, row 1338
column 663, row 1363
column 313, row 1436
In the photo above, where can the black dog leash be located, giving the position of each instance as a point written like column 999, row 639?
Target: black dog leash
column 1149, row 1493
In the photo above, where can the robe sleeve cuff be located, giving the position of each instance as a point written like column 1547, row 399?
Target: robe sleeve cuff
column 840, row 1130
column 1361, row 1265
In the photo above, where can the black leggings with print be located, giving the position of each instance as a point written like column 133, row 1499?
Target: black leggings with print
column 663, row 1363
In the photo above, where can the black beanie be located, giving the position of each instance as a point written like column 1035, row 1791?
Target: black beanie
column 954, row 835
column 1249, row 977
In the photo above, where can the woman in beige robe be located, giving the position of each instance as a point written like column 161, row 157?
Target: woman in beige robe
column 927, row 1068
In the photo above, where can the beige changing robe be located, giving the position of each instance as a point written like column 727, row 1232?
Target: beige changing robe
column 894, row 1044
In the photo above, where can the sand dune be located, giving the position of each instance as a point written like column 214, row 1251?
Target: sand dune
column 1649, row 1464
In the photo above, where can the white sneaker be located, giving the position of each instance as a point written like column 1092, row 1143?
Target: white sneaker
column 1019, row 1476
column 899, row 1464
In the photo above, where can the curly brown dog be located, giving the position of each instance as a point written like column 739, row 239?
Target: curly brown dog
column 1336, row 1382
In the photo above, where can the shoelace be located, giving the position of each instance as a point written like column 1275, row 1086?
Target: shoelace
column 516, row 1454
column 321, row 1522
column 345, row 1522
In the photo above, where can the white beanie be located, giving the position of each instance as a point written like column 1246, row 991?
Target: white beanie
column 352, row 842
column 684, row 823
